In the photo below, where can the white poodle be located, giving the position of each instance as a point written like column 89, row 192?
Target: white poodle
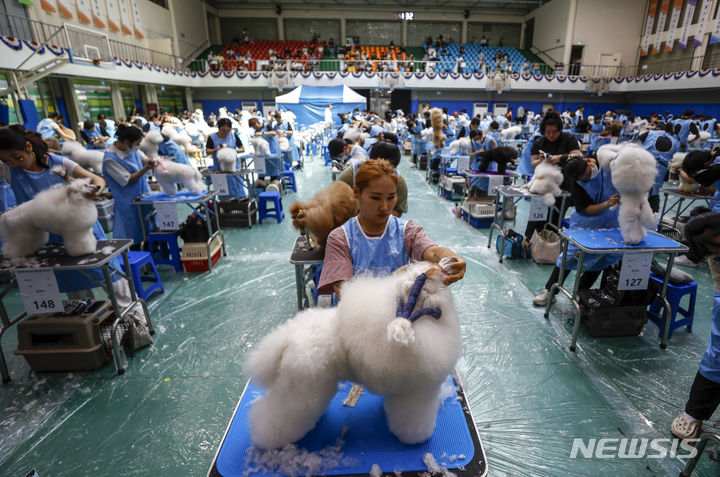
column 63, row 210
column 260, row 146
column 510, row 133
column 227, row 159
column 150, row 144
column 426, row 134
column 546, row 181
column 694, row 140
column 633, row 171
column 87, row 158
column 284, row 143
column 181, row 139
column 368, row 339
column 460, row 146
column 169, row 173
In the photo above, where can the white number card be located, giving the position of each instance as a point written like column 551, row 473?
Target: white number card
column 167, row 217
column 39, row 291
column 260, row 167
column 635, row 271
column 538, row 209
column 494, row 182
column 220, row 184
column 463, row 163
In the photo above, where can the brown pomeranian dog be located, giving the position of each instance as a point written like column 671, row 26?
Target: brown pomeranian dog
column 328, row 209
column 436, row 121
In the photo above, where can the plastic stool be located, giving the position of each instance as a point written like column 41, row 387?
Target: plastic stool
column 276, row 212
column 137, row 261
column 169, row 253
column 673, row 294
column 289, row 180
column 328, row 159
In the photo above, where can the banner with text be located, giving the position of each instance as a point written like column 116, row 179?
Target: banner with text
column 685, row 32
column 113, row 15
column 645, row 43
column 703, row 19
column 674, row 20
column 660, row 30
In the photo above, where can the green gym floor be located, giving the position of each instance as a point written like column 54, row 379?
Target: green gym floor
column 529, row 394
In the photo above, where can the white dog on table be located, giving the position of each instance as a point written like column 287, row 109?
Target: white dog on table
column 63, row 209
column 403, row 352
column 169, row 173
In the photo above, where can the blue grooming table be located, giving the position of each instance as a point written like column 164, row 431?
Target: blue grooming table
column 367, row 440
column 610, row 241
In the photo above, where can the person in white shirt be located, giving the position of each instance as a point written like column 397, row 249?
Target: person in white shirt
column 328, row 114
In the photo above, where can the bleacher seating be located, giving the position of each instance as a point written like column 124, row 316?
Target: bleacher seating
column 447, row 63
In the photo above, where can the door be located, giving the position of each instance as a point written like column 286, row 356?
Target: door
column 576, row 53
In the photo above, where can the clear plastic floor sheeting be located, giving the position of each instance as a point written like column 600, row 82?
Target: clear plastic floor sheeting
column 531, row 397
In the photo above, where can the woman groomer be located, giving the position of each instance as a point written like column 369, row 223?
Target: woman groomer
column 226, row 137
column 557, row 147
column 30, row 173
column 375, row 241
column 594, row 197
column 125, row 166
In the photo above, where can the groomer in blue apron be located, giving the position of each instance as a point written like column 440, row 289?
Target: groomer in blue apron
column 226, row 137
column 294, row 152
column 594, row 197
column 661, row 145
column 270, row 136
column 124, row 167
column 171, row 149
column 684, row 126
column 525, row 167
column 30, row 173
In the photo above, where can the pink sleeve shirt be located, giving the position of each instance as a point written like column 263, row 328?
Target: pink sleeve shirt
column 338, row 266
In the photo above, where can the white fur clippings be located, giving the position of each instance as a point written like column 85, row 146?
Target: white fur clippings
column 546, row 181
column 227, row 158
column 633, row 171
column 62, row 210
column 301, row 362
column 87, row 158
column 169, row 173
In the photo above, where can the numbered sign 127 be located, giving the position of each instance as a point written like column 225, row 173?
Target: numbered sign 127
column 39, row 291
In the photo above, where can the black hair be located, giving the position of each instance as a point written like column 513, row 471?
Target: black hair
column 475, row 121
column 475, row 133
column 387, row 151
column 703, row 225
column 128, row 133
column 575, row 168
column 390, row 137
column 688, row 112
column 88, row 125
column 335, row 147
column 695, row 161
column 494, row 125
column 54, row 116
column 16, row 137
column 551, row 118
column 224, row 122
column 583, row 126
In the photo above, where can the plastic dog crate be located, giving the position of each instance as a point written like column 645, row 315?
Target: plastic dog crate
column 452, row 187
column 602, row 317
column 479, row 215
column 66, row 341
column 194, row 254
column 236, row 212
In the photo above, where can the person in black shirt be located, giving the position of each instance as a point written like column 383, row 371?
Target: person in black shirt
column 558, row 147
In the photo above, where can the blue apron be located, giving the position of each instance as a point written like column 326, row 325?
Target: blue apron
column 235, row 184
column 110, row 128
column 715, row 204
column 25, row 185
column 684, row 131
column 599, row 189
column 709, row 126
column 272, row 141
column 710, row 362
column 525, row 167
column 7, row 196
column 127, row 222
column 597, row 128
column 487, row 143
column 152, row 127
column 662, row 158
column 294, row 151
column 377, row 255
column 171, row 149
column 44, row 129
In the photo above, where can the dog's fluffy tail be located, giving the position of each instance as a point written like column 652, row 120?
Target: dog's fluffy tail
column 548, row 199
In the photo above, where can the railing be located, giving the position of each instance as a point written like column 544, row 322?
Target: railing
column 33, row 30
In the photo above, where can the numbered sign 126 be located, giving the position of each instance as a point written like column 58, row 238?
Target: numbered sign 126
column 538, row 209
column 167, row 217
column 39, row 291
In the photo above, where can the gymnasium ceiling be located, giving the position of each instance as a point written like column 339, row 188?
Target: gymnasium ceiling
column 510, row 7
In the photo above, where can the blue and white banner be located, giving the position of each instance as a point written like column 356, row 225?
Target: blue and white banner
column 660, row 30
column 674, row 19
column 705, row 12
column 645, row 42
column 715, row 35
column 685, row 32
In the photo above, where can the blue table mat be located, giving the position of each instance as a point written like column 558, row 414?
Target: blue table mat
column 368, row 440
column 181, row 195
column 612, row 238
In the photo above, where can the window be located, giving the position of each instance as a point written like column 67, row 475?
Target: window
column 162, row 3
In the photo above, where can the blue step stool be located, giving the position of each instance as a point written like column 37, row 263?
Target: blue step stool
column 137, row 260
column 674, row 295
column 328, row 159
column 169, row 253
column 289, row 180
column 276, row 212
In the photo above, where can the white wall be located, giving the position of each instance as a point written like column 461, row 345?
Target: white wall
column 551, row 21
column 191, row 24
column 609, row 26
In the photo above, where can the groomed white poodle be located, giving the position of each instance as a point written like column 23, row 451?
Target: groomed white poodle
column 227, row 159
column 181, row 139
column 151, row 143
column 546, row 181
column 88, row 158
column 460, row 146
column 260, row 146
column 510, row 133
column 633, row 171
column 63, row 210
column 403, row 353
column 169, row 173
